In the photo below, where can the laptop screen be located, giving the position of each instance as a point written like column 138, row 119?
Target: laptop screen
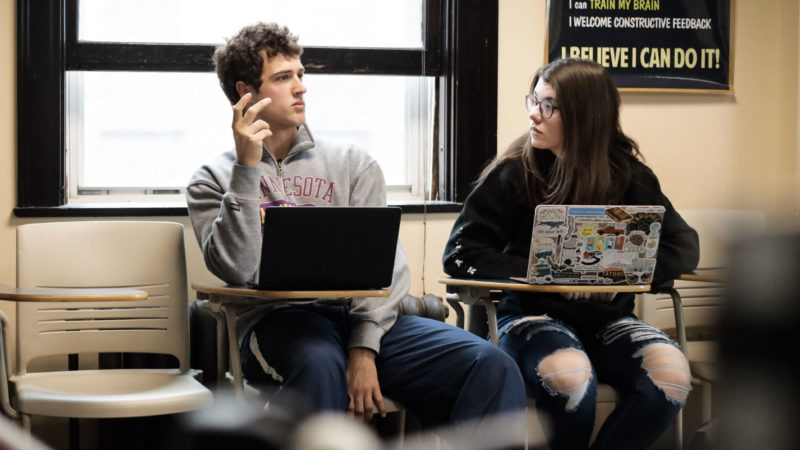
column 328, row 248
column 594, row 244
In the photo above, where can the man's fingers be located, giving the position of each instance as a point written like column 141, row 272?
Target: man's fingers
column 257, row 126
column 253, row 111
column 379, row 404
column 242, row 113
column 258, row 131
column 261, row 135
column 238, row 108
column 367, row 408
column 358, row 407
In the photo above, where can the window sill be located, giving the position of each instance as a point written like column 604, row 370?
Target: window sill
column 171, row 209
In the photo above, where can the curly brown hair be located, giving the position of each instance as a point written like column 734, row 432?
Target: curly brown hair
column 239, row 58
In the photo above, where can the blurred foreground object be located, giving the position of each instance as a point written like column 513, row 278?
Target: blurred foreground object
column 12, row 437
column 758, row 337
column 331, row 431
column 234, row 422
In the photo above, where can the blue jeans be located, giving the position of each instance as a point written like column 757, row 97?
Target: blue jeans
column 440, row 373
column 615, row 356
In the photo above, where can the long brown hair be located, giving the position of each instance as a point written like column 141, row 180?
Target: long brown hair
column 595, row 150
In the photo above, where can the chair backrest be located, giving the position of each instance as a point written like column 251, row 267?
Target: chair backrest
column 109, row 254
column 716, row 228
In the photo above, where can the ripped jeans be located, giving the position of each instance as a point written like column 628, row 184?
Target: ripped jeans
column 562, row 369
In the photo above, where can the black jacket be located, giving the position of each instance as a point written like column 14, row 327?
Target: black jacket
column 491, row 239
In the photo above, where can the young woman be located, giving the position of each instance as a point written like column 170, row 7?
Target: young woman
column 576, row 153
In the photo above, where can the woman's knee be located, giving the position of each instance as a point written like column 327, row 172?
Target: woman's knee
column 668, row 369
column 566, row 372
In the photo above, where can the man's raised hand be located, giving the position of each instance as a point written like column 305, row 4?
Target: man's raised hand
column 249, row 131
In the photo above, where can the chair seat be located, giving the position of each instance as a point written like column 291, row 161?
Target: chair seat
column 703, row 351
column 703, row 359
column 391, row 405
column 606, row 393
column 705, row 371
column 109, row 393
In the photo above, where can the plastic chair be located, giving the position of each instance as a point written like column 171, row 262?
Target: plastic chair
column 143, row 255
column 477, row 324
column 694, row 321
column 209, row 344
column 14, row 438
column 482, row 310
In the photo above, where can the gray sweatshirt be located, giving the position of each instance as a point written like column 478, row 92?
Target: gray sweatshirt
column 226, row 202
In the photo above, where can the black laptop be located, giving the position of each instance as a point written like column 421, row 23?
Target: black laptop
column 328, row 248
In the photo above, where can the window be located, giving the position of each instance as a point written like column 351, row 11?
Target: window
column 142, row 134
column 97, row 94
column 358, row 23
column 145, row 133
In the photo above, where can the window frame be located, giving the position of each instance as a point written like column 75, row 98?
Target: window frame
column 460, row 41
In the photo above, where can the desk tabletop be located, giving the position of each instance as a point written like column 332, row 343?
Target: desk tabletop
column 511, row 285
column 205, row 290
column 707, row 278
column 70, row 294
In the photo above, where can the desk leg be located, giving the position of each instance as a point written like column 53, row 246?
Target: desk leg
column 74, row 426
column 5, row 400
column 453, row 299
column 491, row 319
column 222, row 350
column 474, row 296
column 234, row 358
column 680, row 328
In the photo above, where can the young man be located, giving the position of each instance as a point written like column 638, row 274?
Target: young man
column 342, row 355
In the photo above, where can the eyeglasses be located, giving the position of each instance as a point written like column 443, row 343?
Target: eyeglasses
column 545, row 107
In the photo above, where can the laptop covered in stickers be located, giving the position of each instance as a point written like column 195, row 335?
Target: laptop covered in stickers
column 594, row 244
column 328, row 248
